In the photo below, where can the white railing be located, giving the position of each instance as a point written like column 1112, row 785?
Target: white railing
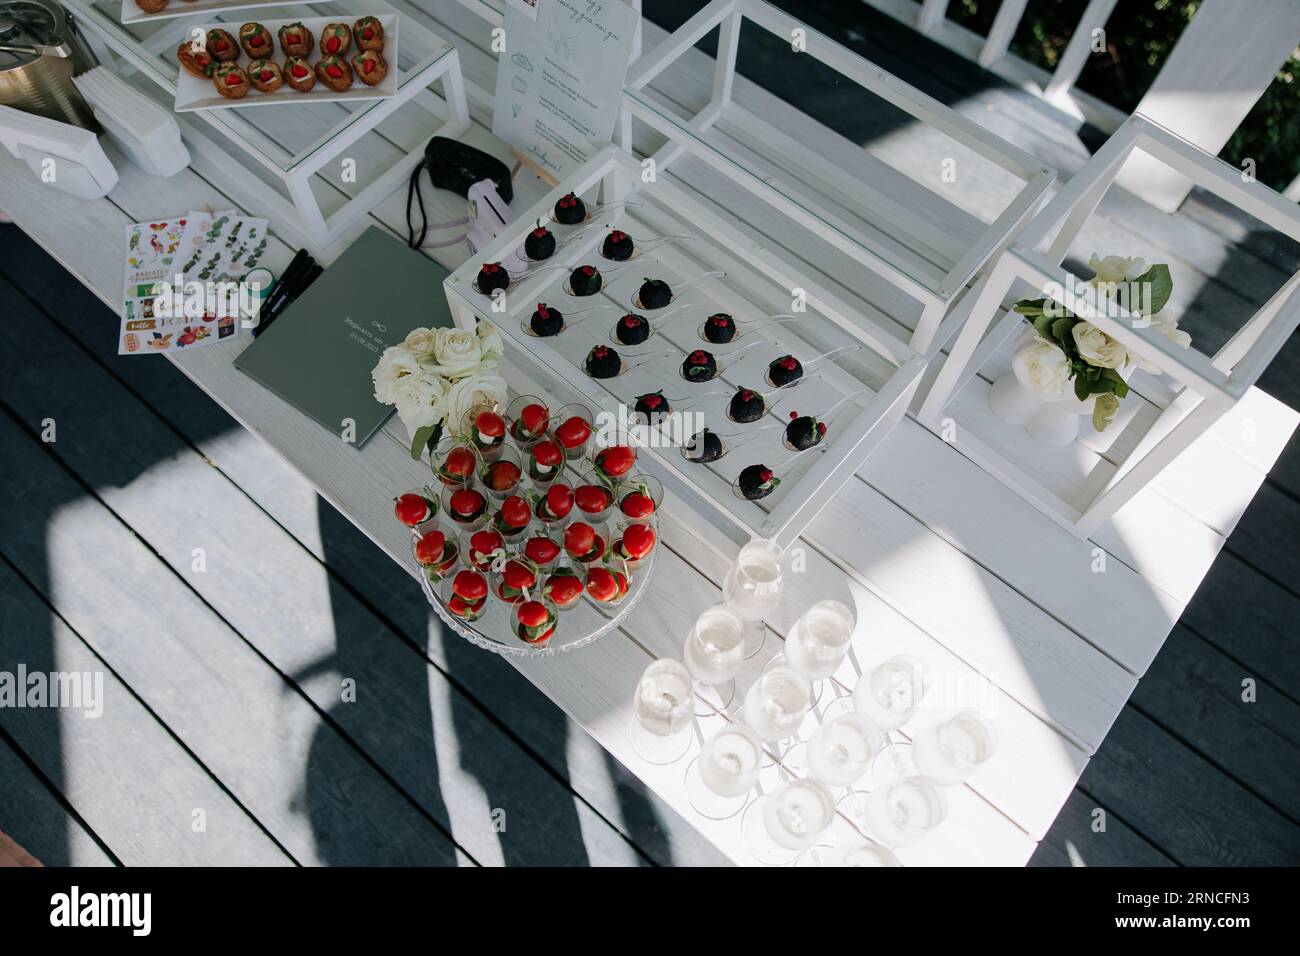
column 991, row 52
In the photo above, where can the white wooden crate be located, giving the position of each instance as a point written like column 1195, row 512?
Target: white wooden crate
column 879, row 377
column 914, row 240
column 273, row 176
column 1084, row 484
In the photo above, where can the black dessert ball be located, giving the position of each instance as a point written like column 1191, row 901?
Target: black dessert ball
column 632, row 329
column 492, row 276
column 804, row 431
column 652, row 406
column 603, row 362
column 585, row 280
column 617, row 246
column 720, row 328
column 655, row 294
column 540, row 243
column 700, row 366
column 570, row 210
column 784, row 370
column 546, row 321
column 746, row 405
column 704, row 447
column 757, row 481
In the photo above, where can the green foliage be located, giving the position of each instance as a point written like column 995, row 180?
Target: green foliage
column 427, row 437
column 1139, row 37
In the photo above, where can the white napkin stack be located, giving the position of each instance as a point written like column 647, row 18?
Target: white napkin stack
column 141, row 128
column 59, row 154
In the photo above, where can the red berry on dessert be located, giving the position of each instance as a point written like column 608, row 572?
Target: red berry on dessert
column 501, row 475
column 531, row 422
column 637, row 504
column 545, row 461
column 564, row 589
column 513, row 516
column 483, row 548
column 541, row 550
column 592, row 499
column 534, row 622
column 573, row 432
column 570, row 210
column 556, row 503
column 638, row 541
column 616, row 461
column 414, row 508
column 516, row 577
column 467, row 505
column 456, row 466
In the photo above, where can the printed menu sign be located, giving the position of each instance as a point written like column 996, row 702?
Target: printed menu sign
column 560, row 79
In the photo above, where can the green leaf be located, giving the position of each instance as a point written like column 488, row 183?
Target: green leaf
column 426, row 437
column 1104, row 410
column 1162, row 287
column 1081, row 387
column 1030, row 307
column 1043, row 326
column 1116, row 383
column 1061, row 330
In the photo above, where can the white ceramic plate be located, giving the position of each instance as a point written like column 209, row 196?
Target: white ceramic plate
column 193, row 93
column 131, row 13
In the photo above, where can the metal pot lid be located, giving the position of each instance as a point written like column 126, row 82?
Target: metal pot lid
column 30, row 29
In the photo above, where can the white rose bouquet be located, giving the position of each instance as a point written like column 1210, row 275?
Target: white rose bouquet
column 1098, row 364
column 436, row 376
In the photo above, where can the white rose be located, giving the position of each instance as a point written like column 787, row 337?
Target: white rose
column 480, row 390
column 1115, row 268
column 396, row 363
column 1043, row 368
column 1097, row 348
column 420, row 342
column 421, row 400
column 1166, row 323
column 490, row 341
column 456, row 353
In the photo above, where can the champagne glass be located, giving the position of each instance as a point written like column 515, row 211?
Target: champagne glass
column 713, row 655
column 787, row 821
column 890, row 693
column 719, row 780
column 752, row 588
column 661, row 708
column 949, row 752
column 819, row 641
column 840, row 750
column 776, row 703
column 904, row 811
column 862, row 854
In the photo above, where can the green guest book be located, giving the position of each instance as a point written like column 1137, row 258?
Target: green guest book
column 318, row 354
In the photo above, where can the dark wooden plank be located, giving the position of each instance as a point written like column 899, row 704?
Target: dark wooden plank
column 1194, row 691
column 277, row 755
column 358, row 568
column 1249, row 618
column 1180, row 803
column 122, row 766
column 1265, row 537
column 34, row 817
column 1074, row 841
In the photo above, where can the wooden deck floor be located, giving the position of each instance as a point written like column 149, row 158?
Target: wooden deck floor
column 157, row 540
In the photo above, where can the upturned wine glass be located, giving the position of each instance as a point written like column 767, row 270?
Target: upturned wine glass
column 753, row 587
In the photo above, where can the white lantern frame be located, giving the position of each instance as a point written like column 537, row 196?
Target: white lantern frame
column 936, row 287
column 1207, row 386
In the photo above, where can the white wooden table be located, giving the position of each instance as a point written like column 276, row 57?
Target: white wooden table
column 1010, row 611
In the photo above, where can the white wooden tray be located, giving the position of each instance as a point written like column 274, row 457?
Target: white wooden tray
column 193, row 93
column 131, row 12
